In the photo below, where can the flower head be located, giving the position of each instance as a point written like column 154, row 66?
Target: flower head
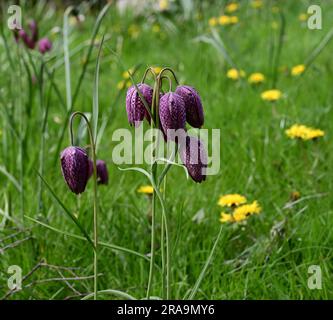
column 146, row 190
column 193, row 105
column 231, row 200
column 297, row 70
column 303, row 17
column 232, row 7
column 135, row 107
column 44, row 45
column 213, row 22
column 75, row 168
column 235, row 74
column 303, row 132
column 102, row 172
column 256, row 4
column 194, row 157
column 271, row 95
column 241, row 213
column 29, row 40
column 224, row 20
column 256, row 78
column 172, row 113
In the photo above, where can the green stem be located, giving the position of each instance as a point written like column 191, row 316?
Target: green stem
column 95, row 218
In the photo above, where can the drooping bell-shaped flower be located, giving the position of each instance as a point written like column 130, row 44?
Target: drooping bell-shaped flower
column 26, row 39
column 102, row 172
column 194, row 157
column 135, row 107
column 30, row 39
column 75, row 168
column 193, row 105
column 34, row 30
column 172, row 114
column 44, row 45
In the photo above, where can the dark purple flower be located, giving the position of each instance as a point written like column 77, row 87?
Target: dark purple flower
column 26, row 39
column 194, row 157
column 193, row 105
column 44, row 45
column 172, row 114
column 30, row 39
column 34, row 30
column 75, row 168
column 102, row 172
column 135, row 107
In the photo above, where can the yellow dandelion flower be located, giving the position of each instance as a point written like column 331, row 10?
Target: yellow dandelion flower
column 226, row 217
column 234, row 20
column 230, row 200
column 156, row 28
column 256, row 78
column 164, row 5
column 257, row 4
column 224, row 20
column 134, row 31
column 271, row 95
column 303, row 17
column 232, row 7
column 295, row 195
column 247, row 210
column 303, row 132
column 157, row 70
column 146, row 190
column 298, row 70
column 126, row 75
column 235, row 74
column 213, row 22
column 121, row 84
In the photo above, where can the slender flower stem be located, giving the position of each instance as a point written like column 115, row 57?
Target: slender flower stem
column 95, row 207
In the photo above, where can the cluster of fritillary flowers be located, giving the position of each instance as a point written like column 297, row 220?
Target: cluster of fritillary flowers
column 30, row 38
column 236, row 208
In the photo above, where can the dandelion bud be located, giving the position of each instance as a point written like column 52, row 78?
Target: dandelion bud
column 135, row 107
column 44, row 45
column 75, row 168
column 194, row 157
column 102, row 172
column 172, row 113
column 193, row 105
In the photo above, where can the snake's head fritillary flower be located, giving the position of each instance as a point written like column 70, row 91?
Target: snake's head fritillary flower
column 135, row 107
column 44, row 45
column 102, row 172
column 26, row 39
column 75, row 168
column 193, row 105
column 34, row 30
column 172, row 114
column 194, row 157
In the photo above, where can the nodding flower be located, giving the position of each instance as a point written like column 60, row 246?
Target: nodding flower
column 172, row 114
column 102, row 172
column 135, row 108
column 193, row 105
column 75, row 168
column 44, row 45
column 194, row 157
column 31, row 39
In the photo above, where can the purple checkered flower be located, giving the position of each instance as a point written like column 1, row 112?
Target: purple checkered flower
column 135, row 107
column 102, row 172
column 194, row 157
column 75, row 168
column 44, row 45
column 193, row 105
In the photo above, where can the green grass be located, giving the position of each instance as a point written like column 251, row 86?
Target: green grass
column 257, row 160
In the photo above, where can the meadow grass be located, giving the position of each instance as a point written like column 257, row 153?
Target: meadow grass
column 268, row 257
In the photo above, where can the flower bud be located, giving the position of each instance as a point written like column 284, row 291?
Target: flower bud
column 75, row 168
column 135, row 107
column 172, row 114
column 193, row 105
column 26, row 39
column 194, row 157
column 34, row 30
column 44, row 45
column 102, row 172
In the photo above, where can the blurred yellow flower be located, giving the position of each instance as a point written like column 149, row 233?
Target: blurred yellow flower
column 235, row 74
column 230, row 200
column 126, row 73
column 297, row 70
column 164, row 5
column 134, row 31
column 232, row 7
column 303, row 17
column 256, row 78
column 213, row 22
column 146, row 190
column 241, row 213
column 226, row 217
column 157, row 70
column 234, row 20
column 156, row 28
column 123, row 83
column 271, row 95
column 224, row 20
column 303, row 132
column 256, row 4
